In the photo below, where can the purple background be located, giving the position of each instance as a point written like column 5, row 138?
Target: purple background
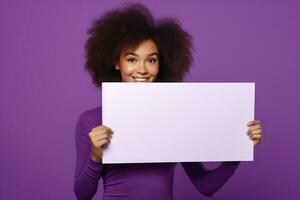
column 44, row 89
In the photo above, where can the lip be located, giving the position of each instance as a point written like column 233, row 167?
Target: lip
column 140, row 79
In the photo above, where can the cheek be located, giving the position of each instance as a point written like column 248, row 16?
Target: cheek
column 126, row 69
column 154, row 70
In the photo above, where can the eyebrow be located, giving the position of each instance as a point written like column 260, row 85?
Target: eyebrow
column 151, row 54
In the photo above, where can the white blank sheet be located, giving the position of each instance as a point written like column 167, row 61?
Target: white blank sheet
column 177, row 122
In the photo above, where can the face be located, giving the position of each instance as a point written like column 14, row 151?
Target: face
column 140, row 64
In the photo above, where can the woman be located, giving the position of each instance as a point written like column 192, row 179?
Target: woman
column 128, row 45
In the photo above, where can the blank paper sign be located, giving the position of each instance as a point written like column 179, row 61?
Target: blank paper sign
column 178, row 122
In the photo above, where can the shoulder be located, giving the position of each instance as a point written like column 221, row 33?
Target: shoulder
column 91, row 117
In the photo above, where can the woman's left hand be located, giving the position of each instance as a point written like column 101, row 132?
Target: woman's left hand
column 254, row 131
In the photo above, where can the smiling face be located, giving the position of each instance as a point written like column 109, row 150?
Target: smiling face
column 140, row 64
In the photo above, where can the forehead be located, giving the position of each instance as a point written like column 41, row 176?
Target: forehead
column 143, row 48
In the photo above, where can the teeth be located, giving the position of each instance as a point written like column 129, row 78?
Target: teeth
column 141, row 79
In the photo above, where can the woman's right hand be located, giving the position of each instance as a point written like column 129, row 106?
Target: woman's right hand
column 100, row 138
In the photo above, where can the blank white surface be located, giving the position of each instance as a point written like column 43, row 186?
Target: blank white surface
column 177, row 122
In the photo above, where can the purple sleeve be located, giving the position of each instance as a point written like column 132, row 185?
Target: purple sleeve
column 87, row 171
column 209, row 181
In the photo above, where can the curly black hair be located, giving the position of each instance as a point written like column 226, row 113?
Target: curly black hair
column 127, row 27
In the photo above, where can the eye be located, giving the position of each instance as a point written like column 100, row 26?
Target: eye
column 131, row 60
column 152, row 60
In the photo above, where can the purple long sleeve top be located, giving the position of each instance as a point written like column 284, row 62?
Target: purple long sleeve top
column 136, row 181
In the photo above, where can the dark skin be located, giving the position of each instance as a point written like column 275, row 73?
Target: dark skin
column 142, row 65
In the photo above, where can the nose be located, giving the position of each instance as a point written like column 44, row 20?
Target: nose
column 142, row 69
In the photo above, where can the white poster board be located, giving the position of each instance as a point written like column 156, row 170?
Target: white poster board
column 178, row 122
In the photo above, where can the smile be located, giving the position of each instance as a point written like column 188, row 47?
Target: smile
column 136, row 79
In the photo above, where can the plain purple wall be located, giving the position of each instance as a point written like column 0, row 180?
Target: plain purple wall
column 43, row 89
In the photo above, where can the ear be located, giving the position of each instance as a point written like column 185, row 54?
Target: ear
column 117, row 66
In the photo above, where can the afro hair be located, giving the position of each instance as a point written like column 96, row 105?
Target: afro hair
column 128, row 26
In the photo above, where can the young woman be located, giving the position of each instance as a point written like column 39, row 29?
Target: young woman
column 127, row 45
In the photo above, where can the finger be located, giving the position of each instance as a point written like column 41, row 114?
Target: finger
column 102, row 142
column 100, row 137
column 250, row 123
column 256, row 131
column 105, row 145
column 253, row 127
column 102, row 127
column 252, row 135
column 96, row 133
column 255, row 137
column 100, row 132
column 107, row 128
column 253, row 122
column 99, row 143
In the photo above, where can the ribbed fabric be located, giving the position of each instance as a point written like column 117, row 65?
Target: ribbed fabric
column 136, row 181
